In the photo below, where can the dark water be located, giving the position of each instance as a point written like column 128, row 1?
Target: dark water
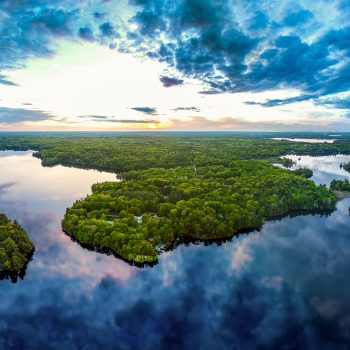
column 285, row 287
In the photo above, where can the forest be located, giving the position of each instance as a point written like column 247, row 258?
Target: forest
column 124, row 152
column 179, row 185
column 139, row 216
column 16, row 248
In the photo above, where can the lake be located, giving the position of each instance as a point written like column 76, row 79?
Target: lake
column 304, row 140
column 284, row 287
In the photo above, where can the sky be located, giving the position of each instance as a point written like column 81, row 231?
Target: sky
column 260, row 65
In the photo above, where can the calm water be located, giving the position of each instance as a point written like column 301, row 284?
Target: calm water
column 325, row 169
column 285, row 287
column 306, row 140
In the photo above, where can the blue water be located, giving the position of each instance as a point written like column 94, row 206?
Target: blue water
column 285, row 287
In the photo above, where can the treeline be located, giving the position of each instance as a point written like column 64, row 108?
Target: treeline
column 137, row 152
column 340, row 185
column 135, row 218
column 307, row 173
column 15, row 247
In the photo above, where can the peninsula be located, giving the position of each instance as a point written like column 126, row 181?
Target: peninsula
column 16, row 248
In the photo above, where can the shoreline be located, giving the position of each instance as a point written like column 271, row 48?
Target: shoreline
column 341, row 194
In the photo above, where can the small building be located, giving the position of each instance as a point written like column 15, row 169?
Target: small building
column 159, row 246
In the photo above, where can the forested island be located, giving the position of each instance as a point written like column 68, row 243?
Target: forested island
column 286, row 162
column 203, row 186
column 137, row 217
column 16, row 248
column 345, row 166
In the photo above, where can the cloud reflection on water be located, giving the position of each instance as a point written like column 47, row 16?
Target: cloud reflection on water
column 284, row 287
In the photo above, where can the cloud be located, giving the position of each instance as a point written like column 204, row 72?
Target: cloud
column 227, row 123
column 136, row 121
column 146, row 110
column 107, row 29
column 28, row 31
column 229, row 46
column 5, row 186
column 267, row 50
column 86, row 33
column 194, row 288
column 258, row 22
column 4, row 81
column 297, row 18
column 228, row 295
column 99, row 118
column 279, row 102
column 19, row 115
column 32, row 30
column 99, row 15
column 341, row 103
column 170, row 81
column 192, row 109
column 237, row 123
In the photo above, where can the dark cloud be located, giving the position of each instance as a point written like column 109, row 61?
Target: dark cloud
column 258, row 22
column 229, row 46
column 297, row 18
column 28, row 30
column 18, row 115
column 5, row 81
column 107, row 29
column 116, row 120
column 279, row 102
column 170, row 81
column 135, row 121
column 210, row 42
column 99, row 15
column 192, row 109
column 86, row 33
column 146, row 110
column 341, row 103
column 206, row 41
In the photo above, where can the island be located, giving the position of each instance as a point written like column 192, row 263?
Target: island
column 16, row 249
column 345, row 166
column 286, row 162
column 148, row 210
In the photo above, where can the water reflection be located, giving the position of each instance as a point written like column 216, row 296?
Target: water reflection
column 325, row 169
column 285, row 287
column 305, row 140
column 37, row 197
